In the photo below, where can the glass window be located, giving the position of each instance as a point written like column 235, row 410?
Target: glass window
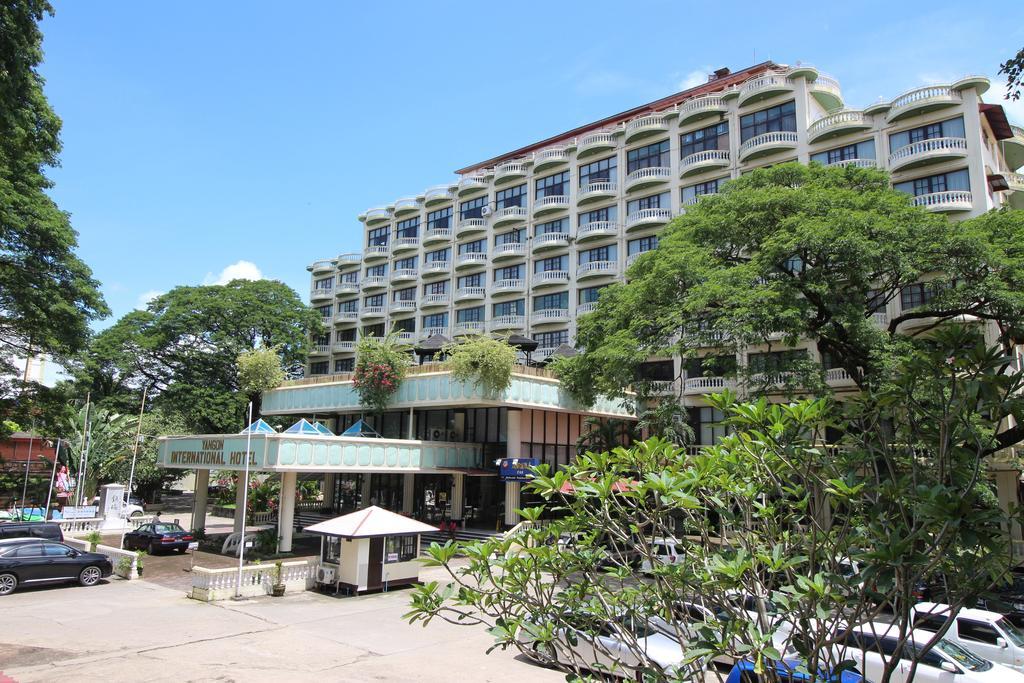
column 439, row 256
column 781, row 117
column 559, row 301
column 508, row 273
column 515, row 307
column 326, row 283
column 644, row 244
column 407, row 294
column 942, row 182
column 951, row 128
column 436, row 287
column 712, row 137
column 408, row 263
column 440, row 219
column 319, row 368
column 324, row 311
column 775, row 361
column 603, row 171
column 474, row 247
column 405, row 325
column 692, row 191
column 590, row 294
column 608, row 213
column 350, row 306
column 408, row 228
column 345, row 335
column 350, row 277
column 511, row 237
column 859, row 150
column 375, row 300
column 915, row 295
column 606, row 253
column 56, row 550
column 561, row 225
column 472, row 208
column 344, row 365
column 976, row 631
column 553, row 263
column 436, row 320
column 554, row 185
column 512, row 196
column 377, row 237
column 647, row 157
column 374, row 330
column 551, row 340
column 323, row 340
column 474, row 280
column 377, row 271
column 399, row 549
column 470, row 315
column 655, row 201
column 711, row 428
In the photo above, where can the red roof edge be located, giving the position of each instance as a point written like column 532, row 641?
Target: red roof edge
column 996, row 117
column 657, row 105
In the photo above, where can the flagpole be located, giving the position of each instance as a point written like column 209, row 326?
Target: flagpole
column 53, row 475
column 245, row 504
column 81, row 452
column 135, row 455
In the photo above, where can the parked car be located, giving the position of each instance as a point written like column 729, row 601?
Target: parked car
column 158, row 536
column 131, row 507
column 987, row 634
column 746, row 671
column 869, row 645
column 1007, row 598
column 30, row 561
column 47, row 530
column 663, row 551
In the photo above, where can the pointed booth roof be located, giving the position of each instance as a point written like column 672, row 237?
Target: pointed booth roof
column 360, row 428
column 259, row 427
column 433, row 343
column 304, row 427
column 370, row 522
column 322, row 428
column 563, row 351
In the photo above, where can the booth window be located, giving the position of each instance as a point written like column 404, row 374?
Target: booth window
column 400, row 549
column 332, row 549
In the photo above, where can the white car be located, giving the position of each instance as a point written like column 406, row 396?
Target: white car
column 131, row 507
column 986, row 634
column 663, row 551
column 870, row 645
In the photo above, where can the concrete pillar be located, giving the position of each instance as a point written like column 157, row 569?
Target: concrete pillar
column 239, row 504
column 367, row 488
column 412, row 425
column 328, row 486
column 199, row 508
column 287, row 514
column 514, row 445
column 458, row 493
column 511, row 503
column 408, row 492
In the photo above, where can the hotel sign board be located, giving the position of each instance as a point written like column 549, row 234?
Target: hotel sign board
column 517, row 469
column 211, row 453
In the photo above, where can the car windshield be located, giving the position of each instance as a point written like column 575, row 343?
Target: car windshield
column 962, row 656
column 1012, row 631
column 166, row 528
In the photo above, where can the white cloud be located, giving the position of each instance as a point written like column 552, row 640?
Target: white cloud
column 239, row 270
column 146, row 297
column 694, row 78
column 1014, row 108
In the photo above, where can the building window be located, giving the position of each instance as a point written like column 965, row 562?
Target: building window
column 407, row 294
column 374, row 330
column 712, row 137
column 858, row 150
column 474, row 280
column 319, row 368
column 955, row 180
column 551, row 340
column 324, row 311
column 436, row 287
column 603, row 171
column 916, row 295
column 692, row 191
column 552, row 186
column 405, row 325
column 775, row 362
column 951, row 128
column 508, row 273
column 608, row 213
column 560, row 226
column 547, row 302
column 549, row 264
column 325, row 284
column 781, row 117
column 655, row 201
column 606, row 253
column 345, row 335
column 375, row 300
column 513, row 196
column 408, row 228
column 590, row 294
column 344, row 365
column 378, row 237
column 435, row 320
column 651, row 156
column 475, row 247
column 472, row 208
column 377, row 271
column 351, row 278
column 322, row 340
column 642, row 245
column 516, row 307
column 439, row 256
column 350, row 306
column 470, row 315
column 400, row 549
column 710, row 427
column 408, row 263
column 440, row 219
column 510, row 237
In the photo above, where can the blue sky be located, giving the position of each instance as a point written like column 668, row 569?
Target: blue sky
column 201, row 134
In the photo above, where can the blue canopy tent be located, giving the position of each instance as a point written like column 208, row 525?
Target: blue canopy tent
column 322, row 428
column 259, row 427
column 360, row 428
column 305, row 428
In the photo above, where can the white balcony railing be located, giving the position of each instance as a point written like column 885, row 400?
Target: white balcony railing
column 780, row 139
column 322, row 265
column 438, row 194
column 371, row 312
column 598, row 190
column 517, row 285
column 435, row 300
column 920, row 98
column 550, row 315
column 880, row 318
column 552, row 202
column 547, row 158
column 707, row 385
column 344, row 287
column 596, row 229
column 550, row 240
column 709, row 158
column 377, row 251
column 401, row 274
column 428, row 332
column 838, row 376
column 471, row 258
column 402, row 243
column 507, row 322
column 376, row 215
column 646, row 125
column 374, row 281
column 321, row 349
column 509, row 249
column 648, row 176
column 845, row 120
column 406, row 205
column 934, row 148
column 469, row 327
column 346, row 316
column 595, row 268
column 321, row 293
column 469, row 293
column 631, row 259
column 406, row 337
column 437, row 235
column 509, row 214
column 595, row 141
column 471, row 184
column 471, row 225
column 764, row 85
column 550, row 277
column 588, row 307
column 402, row 305
column 648, row 217
column 344, row 346
column 859, row 163
column 510, row 169
column 435, row 267
column 699, row 106
column 951, row 200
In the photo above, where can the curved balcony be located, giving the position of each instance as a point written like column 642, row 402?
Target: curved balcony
column 436, row 235
column 430, row 268
column 500, row 287
column 344, row 346
column 648, row 218
column 631, row 259
column 1016, row 183
column 470, row 184
column 549, row 316
column 505, row 323
column 406, row 205
column 597, row 230
column 405, row 244
column 320, row 350
column 542, row 353
column 470, row 259
column 404, row 275
column 403, row 305
column 406, row 337
column 319, row 294
column 469, row 226
column 825, row 90
column 595, row 192
column 859, row 163
column 763, row 87
column 768, row 143
column 839, row 123
column 509, row 215
column 469, row 327
column 707, row 385
column 376, row 252
column 548, row 278
column 509, row 250
column 1013, row 148
column 343, row 288
column 597, row 269
column 428, row 332
column 342, row 317
column 510, row 170
column 550, row 158
column 371, row 282
column 588, row 307
column 435, row 300
column 942, row 202
column 646, row 126
column 702, row 107
column 924, row 152
column 595, row 143
column 550, row 204
column 550, row 240
column 369, row 312
column 376, row 215
column 439, row 194
column 699, row 162
column 647, row 177
column 923, row 100
column 322, row 266
column 349, row 260
column 470, row 294
column 838, row 377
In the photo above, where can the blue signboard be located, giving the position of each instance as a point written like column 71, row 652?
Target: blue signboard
column 517, row 469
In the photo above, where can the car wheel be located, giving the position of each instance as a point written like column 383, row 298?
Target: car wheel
column 8, row 582
column 543, row 653
column 90, row 576
column 153, row 547
column 137, row 513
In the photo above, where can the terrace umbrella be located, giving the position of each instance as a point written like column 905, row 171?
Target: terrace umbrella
column 431, row 346
column 524, row 344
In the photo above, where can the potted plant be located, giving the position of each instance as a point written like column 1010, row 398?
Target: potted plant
column 94, row 538
column 277, row 589
column 124, row 567
column 138, row 560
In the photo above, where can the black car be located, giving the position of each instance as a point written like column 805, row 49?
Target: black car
column 48, row 530
column 28, row 561
column 158, row 536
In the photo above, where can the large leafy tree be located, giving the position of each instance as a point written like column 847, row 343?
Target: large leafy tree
column 47, row 294
column 800, row 252
column 185, row 346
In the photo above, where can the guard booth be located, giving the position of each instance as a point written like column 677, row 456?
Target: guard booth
column 369, row 550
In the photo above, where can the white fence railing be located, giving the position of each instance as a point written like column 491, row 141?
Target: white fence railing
column 257, row 579
column 115, row 555
column 79, row 527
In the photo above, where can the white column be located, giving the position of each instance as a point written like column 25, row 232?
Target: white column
column 511, row 503
column 458, row 493
column 365, row 498
column 287, row 511
column 239, row 503
column 408, row 491
column 514, row 444
column 199, row 508
column 412, row 425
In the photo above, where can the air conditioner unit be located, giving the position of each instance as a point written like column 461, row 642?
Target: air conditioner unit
column 485, row 211
column 452, row 435
column 325, row 574
column 437, row 435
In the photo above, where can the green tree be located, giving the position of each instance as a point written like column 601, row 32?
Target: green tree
column 148, row 478
column 259, row 370
column 1014, row 70
column 47, row 294
column 381, row 366
column 603, row 434
column 109, row 438
column 483, row 362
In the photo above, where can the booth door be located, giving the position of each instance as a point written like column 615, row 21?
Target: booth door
column 374, row 569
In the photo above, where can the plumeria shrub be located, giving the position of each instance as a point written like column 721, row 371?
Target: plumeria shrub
column 482, row 361
column 381, row 365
